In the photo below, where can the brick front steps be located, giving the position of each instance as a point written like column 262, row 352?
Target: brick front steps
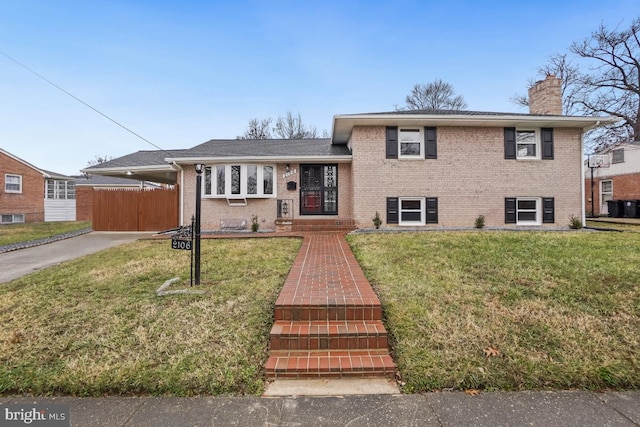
column 327, row 317
column 316, row 225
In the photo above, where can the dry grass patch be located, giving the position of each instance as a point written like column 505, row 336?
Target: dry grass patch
column 509, row 310
column 94, row 326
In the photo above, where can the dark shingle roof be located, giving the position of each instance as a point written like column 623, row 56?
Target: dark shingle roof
column 267, row 148
column 139, row 158
column 445, row 113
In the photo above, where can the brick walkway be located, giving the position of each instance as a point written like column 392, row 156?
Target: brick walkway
column 328, row 320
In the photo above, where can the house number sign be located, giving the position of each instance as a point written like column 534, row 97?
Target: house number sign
column 181, row 244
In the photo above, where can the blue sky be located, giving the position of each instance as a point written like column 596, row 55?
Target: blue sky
column 181, row 73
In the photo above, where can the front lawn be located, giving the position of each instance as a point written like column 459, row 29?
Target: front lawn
column 15, row 233
column 94, row 326
column 509, row 310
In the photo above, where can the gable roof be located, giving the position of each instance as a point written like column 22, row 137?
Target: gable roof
column 343, row 124
column 45, row 173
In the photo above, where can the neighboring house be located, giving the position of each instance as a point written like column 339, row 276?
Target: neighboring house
column 428, row 168
column 30, row 194
column 85, row 185
column 619, row 181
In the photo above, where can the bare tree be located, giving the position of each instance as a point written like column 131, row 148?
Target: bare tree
column 437, row 95
column 287, row 127
column 609, row 84
column 612, row 84
column 257, row 129
column 98, row 160
column 560, row 66
column 292, row 127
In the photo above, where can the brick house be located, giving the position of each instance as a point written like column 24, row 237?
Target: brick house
column 427, row 168
column 30, row 194
column 619, row 181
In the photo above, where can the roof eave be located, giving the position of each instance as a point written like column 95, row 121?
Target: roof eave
column 262, row 159
column 344, row 124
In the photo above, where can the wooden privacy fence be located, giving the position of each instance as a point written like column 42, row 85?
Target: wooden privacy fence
column 135, row 209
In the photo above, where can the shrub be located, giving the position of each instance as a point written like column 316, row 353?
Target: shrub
column 377, row 221
column 254, row 223
column 575, row 222
column 479, row 221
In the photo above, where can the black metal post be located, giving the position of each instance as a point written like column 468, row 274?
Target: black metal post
column 193, row 221
column 593, row 212
column 197, row 229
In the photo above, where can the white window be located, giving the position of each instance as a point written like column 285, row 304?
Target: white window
column 411, row 143
column 528, row 211
column 606, row 193
column 60, row 189
column 12, row 218
column 239, row 181
column 412, row 211
column 527, row 144
column 617, row 156
column 13, row 183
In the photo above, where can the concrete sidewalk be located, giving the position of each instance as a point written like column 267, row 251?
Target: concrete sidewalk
column 564, row 408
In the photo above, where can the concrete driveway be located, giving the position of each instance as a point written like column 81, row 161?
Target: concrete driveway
column 24, row 261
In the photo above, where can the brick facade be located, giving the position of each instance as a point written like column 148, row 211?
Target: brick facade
column 470, row 176
column 625, row 187
column 84, row 203
column 215, row 209
column 30, row 201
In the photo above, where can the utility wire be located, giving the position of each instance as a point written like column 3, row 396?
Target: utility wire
column 81, row 101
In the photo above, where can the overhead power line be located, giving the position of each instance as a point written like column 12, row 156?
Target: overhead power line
column 81, row 101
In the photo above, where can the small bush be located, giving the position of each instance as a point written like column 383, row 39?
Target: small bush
column 255, row 226
column 377, row 221
column 479, row 221
column 575, row 222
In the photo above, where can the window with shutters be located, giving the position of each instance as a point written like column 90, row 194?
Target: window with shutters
column 529, row 210
column 411, row 143
column 412, row 211
column 528, row 144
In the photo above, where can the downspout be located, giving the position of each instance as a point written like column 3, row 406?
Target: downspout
column 181, row 191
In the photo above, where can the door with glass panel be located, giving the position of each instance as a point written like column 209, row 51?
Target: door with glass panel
column 319, row 190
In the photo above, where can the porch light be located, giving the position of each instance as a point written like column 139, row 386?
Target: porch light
column 199, row 167
column 285, row 208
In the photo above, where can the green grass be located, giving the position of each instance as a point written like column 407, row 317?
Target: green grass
column 94, row 326
column 562, row 309
column 614, row 226
column 14, row 233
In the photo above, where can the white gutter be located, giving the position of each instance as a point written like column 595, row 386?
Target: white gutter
column 263, row 159
column 181, row 191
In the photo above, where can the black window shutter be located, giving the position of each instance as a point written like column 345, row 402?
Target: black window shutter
column 510, row 210
column 432, row 210
column 548, row 210
column 392, row 210
column 547, row 143
column 392, row 142
column 430, row 143
column 509, row 143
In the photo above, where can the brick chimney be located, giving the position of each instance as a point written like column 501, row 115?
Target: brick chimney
column 545, row 98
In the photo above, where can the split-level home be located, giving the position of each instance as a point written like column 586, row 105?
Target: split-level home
column 31, row 194
column 619, row 180
column 420, row 169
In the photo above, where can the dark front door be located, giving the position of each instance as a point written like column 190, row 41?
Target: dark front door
column 319, row 190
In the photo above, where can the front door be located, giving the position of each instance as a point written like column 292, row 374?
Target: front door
column 319, row 190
